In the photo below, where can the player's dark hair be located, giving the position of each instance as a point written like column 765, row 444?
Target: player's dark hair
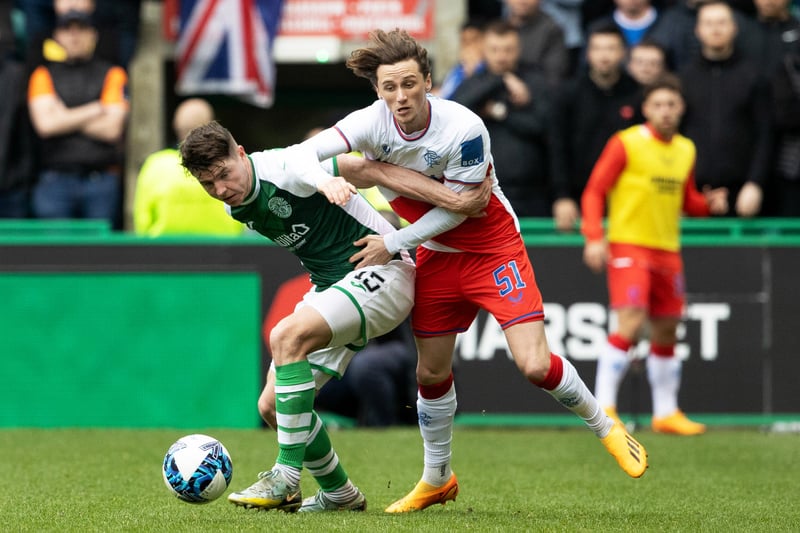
column 665, row 81
column 387, row 48
column 205, row 147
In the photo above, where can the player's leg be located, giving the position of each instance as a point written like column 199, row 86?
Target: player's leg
column 505, row 286
column 377, row 301
column 439, row 313
column 557, row 376
column 436, row 409
column 628, row 278
column 320, row 458
column 337, row 492
column 614, row 358
column 554, row 374
column 663, row 368
column 297, row 335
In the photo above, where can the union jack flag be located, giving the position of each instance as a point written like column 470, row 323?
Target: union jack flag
column 225, row 47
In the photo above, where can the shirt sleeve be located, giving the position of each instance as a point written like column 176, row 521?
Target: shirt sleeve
column 327, row 143
column 468, row 167
column 357, row 130
column 605, row 174
column 115, row 87
column 694, row 203
column 431, row 224
column 295, row 169
column 40, row 83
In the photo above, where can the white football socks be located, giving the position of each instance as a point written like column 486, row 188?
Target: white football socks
column 664, row 374
column 344, row 494
column 573, row 394
column 612, row 365
column 436, row 426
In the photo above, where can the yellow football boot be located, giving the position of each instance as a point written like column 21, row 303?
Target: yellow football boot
column 631, row 456
column 424, row 495
column 677, row 424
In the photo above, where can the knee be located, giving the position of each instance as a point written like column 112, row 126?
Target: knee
column 536, row 366
column 287, row 339
column 428, row 375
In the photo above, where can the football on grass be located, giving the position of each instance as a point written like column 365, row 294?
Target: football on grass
column 197, row 468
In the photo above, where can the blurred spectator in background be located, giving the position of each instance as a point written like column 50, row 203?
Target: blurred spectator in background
column 515, row 105
column 16, row 136
column 567, row 14
column 675, row 31
column 785, row 190
column 599, row 101
column 778, row 52
column 647, row 61
column 543, row 43
column 79, row 109
column 117, row 25
column 168, row 200
column 778, row 34
column 470, row 59
column 634, row 18
column 728, row 112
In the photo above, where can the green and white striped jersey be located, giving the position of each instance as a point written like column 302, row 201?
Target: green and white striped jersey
column 285, row 207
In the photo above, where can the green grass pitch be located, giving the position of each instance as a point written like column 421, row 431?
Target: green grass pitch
column 525, row 479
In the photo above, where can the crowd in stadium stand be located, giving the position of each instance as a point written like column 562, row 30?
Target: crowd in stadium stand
column 552, row 79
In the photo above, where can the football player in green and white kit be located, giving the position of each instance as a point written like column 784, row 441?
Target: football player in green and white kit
column 285, row 195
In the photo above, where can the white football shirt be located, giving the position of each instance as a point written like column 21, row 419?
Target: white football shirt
column 453, row 148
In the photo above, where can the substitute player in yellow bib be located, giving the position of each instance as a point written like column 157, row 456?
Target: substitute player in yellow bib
column 646, row 177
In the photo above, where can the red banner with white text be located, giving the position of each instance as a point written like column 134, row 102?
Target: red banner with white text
column 354, row 19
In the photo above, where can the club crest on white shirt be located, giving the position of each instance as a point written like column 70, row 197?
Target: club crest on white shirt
column 431, row 158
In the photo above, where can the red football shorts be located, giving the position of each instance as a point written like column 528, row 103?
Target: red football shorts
column 646, row 278
column 452, row 287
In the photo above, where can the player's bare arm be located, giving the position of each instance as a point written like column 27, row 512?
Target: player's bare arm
column 411, row 184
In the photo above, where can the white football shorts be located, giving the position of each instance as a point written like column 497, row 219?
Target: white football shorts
column 365, row 304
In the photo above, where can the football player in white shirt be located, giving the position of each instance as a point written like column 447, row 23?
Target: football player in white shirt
column 467, row 263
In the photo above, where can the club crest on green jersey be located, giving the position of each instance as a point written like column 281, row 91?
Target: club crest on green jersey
column 280, row 207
